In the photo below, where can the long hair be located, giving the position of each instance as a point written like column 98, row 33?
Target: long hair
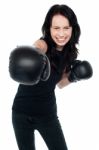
column 70, row 50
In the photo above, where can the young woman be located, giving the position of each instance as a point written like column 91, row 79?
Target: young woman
column 35, row 106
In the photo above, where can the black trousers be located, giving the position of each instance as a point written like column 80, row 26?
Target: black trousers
column 49, row 128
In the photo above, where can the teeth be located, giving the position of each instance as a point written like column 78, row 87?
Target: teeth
column 60, row 40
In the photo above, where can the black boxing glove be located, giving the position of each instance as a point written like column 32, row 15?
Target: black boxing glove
column 46, row 69
column 27, row 65
column 80, row 70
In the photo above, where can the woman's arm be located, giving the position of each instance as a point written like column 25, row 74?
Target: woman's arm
column 64, row 81
column 41, row 44
column 81, row 70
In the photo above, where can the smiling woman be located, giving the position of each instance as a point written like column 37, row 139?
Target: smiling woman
column 34, row 106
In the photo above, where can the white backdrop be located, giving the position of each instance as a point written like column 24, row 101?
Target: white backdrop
column 78, row 106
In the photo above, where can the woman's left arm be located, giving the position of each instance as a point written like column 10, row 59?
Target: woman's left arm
column 82, row 70
column 64, row 81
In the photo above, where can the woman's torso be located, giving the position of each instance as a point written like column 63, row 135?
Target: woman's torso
column 38, row 99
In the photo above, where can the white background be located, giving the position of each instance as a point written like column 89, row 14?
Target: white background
column 78, row 106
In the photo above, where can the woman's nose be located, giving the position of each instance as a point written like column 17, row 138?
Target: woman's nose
column 61, row 33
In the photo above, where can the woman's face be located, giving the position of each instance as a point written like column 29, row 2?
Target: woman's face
column 60, row 30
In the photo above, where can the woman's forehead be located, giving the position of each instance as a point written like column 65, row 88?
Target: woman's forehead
column 58, row 20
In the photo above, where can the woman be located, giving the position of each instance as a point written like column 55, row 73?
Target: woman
column 35, row 107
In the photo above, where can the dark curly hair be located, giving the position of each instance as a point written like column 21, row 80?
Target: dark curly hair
column 70, row 50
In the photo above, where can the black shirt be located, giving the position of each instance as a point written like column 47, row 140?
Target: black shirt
column 38, row 99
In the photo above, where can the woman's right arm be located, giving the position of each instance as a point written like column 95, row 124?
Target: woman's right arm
column 41, row 44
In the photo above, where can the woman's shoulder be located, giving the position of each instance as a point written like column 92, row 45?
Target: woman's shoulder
column 41, row 44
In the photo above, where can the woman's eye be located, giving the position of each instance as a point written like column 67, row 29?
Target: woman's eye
column 67, row 28
column 56, row 28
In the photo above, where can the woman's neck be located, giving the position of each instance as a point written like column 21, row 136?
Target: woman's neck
column 59, row 48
